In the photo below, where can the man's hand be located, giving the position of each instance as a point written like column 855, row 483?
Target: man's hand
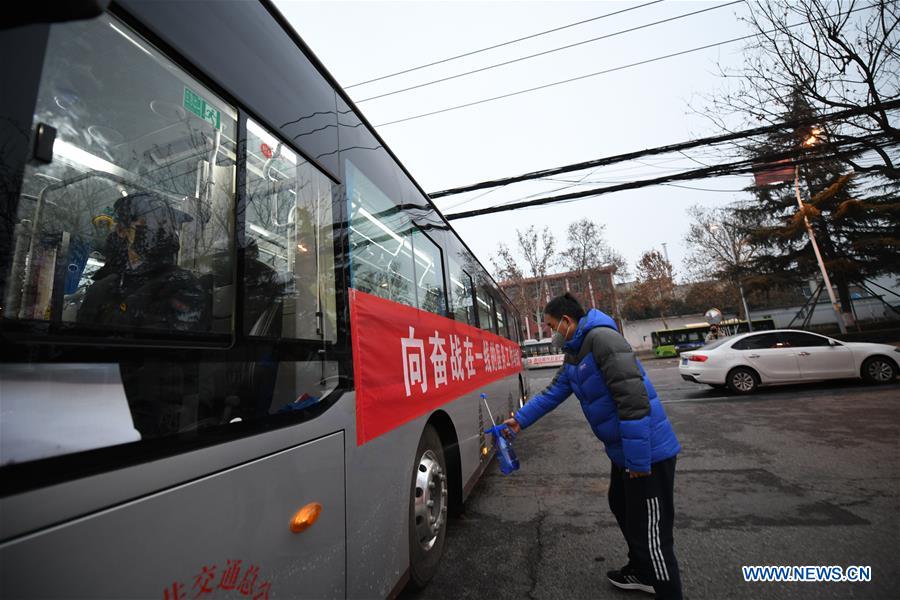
column 513, row 426
column 636, row 474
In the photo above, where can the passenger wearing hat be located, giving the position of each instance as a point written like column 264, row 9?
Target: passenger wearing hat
column 141, row 284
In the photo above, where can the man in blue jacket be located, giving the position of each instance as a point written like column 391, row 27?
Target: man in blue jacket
column 625, row 413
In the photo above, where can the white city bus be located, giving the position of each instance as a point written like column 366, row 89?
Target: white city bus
column 541, row 353
column 242, row 352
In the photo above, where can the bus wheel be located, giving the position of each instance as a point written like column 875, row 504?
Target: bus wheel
column 427, row 509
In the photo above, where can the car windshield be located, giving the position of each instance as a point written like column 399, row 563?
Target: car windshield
column 718, row 342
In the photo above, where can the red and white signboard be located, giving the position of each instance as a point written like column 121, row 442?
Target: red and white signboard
column 408, row 362
column 546, row 360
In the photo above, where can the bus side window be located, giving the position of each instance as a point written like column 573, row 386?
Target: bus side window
column 130, row 225
column 461, row 294
column 486, row 317
column 381, row 250
column 128, row 228
column 500, row 318
column 289, row 253
column 429, row 274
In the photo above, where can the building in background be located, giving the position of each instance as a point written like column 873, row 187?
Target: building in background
column 594, row 288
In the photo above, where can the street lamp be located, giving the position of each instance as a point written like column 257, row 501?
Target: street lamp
column 815, row 136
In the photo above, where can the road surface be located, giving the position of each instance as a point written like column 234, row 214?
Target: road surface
column 799, row 475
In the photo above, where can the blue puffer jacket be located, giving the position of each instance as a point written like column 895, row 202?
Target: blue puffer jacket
column 615, row 393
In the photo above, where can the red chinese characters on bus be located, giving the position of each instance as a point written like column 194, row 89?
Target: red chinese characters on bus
column 408, row 362
column 239, row 584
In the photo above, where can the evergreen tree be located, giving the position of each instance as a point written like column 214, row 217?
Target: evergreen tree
column 855, row 221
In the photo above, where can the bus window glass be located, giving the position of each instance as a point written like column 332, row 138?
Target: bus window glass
column 500, row 315
column 429, row 273
column 485, row 308
column 381, row 251
column 461, row 294
column 130, row 225
column 289, row 254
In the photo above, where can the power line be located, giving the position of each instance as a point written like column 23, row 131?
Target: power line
column 550, row 51
column 571, row 184
column 699, row 189
column 500, row 45
column 732, row 168
column 597, row 73
column 667, row 149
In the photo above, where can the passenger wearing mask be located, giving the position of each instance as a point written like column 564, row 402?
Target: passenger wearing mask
column 141, row 284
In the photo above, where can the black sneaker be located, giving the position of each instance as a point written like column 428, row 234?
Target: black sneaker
column 627, row 578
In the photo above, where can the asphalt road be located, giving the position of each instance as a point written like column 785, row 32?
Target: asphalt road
column 799, row 475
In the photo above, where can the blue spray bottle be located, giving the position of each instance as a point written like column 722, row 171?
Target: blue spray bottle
column 505, row 453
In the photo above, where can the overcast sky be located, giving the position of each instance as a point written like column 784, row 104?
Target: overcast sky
column 635, row 108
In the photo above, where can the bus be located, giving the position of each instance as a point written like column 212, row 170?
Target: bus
column 242, row 351
column 672, row 342
column 540, row 353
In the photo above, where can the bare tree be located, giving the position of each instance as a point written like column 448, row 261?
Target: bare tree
column 838, row 55
column 720, row 247
column 508, row 271
column 654, row 291
column 704, row 295
column 506, row 267
column 540, row 257
column 588, row 249
column 539, row 250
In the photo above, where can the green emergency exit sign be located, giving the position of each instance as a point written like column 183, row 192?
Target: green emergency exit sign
column 195, row 103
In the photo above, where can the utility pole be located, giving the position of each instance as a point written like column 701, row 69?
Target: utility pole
column 812, row 238
column 746, row 308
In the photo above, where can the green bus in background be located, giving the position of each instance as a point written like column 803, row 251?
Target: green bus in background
column 672, row 342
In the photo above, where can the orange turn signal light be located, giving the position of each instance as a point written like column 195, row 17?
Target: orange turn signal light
column 305, row 517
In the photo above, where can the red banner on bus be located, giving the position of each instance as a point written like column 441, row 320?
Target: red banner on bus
column 408, row 362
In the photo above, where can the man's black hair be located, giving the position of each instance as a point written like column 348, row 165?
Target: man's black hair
column 566, row 305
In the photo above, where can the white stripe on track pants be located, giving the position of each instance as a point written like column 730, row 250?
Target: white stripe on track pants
column 645, row 511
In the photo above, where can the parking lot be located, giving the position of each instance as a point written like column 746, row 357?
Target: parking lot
column 798, row 475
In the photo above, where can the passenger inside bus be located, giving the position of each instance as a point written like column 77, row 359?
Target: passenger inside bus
column 126, row 236
column 141, row 284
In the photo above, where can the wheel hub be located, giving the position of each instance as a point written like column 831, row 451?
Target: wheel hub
column 743, row 381
column 880, row 370
column 430, row 499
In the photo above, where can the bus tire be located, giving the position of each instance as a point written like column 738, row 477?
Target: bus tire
column 427, row 509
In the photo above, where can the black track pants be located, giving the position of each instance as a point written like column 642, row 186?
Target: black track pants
column 644, row 508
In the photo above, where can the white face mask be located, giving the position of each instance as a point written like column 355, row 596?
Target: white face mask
column 559, row 338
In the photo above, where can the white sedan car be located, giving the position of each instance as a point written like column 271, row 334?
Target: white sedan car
column 745, row 361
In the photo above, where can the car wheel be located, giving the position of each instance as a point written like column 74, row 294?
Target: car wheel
column 879, row 369
column 427, row 509
column 742, row 380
